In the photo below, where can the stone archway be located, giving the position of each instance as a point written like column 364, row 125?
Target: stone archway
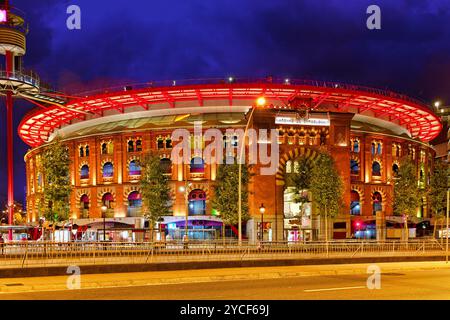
column 292, row 155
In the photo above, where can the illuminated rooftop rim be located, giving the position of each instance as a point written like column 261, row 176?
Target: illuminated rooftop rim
column 415, row 116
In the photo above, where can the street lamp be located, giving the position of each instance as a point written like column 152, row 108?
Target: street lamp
column 447, row 233
column 262, row 209
column 185, row 189
column 104, row 209
column 260, row 102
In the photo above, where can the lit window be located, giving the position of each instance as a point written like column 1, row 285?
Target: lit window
column 134, row 168
column 84, row 202
column 139, row 145
column 289, row 166
column 107, row 200
column 379, row 149
column 197, row 165
column 355, row 207
column 135, row 200
column 84, row 172
column 354, row 167
column 395, row 169
column 131, row 146
column 356, row 146
column 108, row 170
column 377, row 202
column 376, row 169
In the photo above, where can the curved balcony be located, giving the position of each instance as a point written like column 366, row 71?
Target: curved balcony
column 21, row 81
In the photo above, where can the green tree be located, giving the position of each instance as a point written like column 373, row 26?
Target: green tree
column 56, row 169
column 437, row 192
column 226, row 193
column 326, row 188
column 155, row 190
column 300, row 179
column 406, row 191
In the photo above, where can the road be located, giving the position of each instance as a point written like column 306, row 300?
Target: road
column 415, row 281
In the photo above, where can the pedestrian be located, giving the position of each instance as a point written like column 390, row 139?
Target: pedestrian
column 185, row 242
column 2, row 243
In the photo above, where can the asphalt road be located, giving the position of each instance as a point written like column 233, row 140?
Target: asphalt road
column 424, row 284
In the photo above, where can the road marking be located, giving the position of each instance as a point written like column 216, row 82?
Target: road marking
column 334, row 289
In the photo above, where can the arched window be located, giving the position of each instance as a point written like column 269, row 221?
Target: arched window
column 296, row 167
column 354, row 166
column 107, row 200
column 234, row 141
column 289, row 166
column 376, row 169
column 197, row 165
column 81, row 152
column 84, row 172
column 160, row 143
column 356, row 146
column 168, row 143
column 373, row 148
column 104, row 148
column 87, row 151
column 131, row 146
column 355, row 206
column 134, row 168
column 84, row 202
column 40, row 182
column 108, row 170
column 139, row 145
column 377, row 202
column 134, row 204
column 166, row 166
column 395, row 169
column 323, row 138
column 197, row 202
column 379, row 149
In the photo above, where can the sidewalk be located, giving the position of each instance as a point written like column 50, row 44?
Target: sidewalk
column 92, row 281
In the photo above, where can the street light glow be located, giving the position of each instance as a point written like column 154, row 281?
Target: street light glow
column 261, row 101
column 437, row 104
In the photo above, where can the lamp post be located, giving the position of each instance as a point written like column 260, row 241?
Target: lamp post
column 104, row 209
column 446, row 231
column 186, row 199
column 261, row 101
column 262, row 209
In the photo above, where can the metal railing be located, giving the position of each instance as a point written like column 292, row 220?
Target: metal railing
column 250, row 81
column 36, row 254
column 28, row 77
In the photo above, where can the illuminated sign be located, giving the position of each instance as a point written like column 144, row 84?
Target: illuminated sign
column 303, row 121
column 3, row 16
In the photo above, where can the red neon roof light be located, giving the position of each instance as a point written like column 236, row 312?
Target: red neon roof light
column 414, row 115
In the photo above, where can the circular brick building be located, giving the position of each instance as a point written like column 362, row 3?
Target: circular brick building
column 366, row 131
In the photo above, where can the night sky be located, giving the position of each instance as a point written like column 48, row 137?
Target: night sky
column 141, row 40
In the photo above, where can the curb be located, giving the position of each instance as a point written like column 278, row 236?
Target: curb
column 127, row 268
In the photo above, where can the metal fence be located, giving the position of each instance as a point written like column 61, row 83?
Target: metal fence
column 38, row 254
